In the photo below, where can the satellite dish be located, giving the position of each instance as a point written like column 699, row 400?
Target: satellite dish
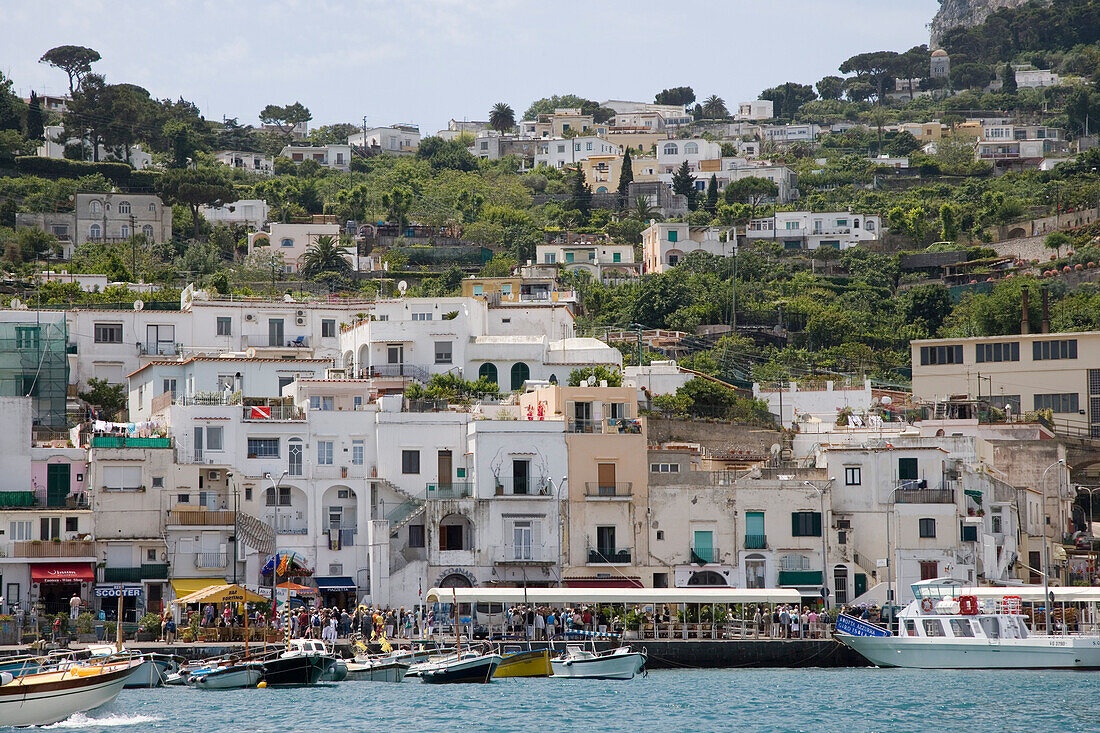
column 775, row 449
column 16, row 304
column 592, row 380
column 887, row 400
column 139, row 304
column 402, row 287
column 250, row 352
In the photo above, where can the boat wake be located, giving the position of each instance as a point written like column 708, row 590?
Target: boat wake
column 80, row 720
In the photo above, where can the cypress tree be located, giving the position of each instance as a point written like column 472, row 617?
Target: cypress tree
column 626, row 177
column 712, row 194
column 35, row 128
column 581, row 199
column 683, row 183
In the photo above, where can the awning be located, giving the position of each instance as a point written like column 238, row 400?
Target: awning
column 974, row 494
column 186, row 586
column 799, row 578
column 297, row 588
column 593, row 582
column 335, row 583
column 63, row 572
column 221, row 594
column 606, row 594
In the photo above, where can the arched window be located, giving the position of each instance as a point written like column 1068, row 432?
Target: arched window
column 520, row 374
column 455, row 533
column 707, row 577
column 95, row 232
column 95, row 207
column 147, row 230
column 553, row 379
column 455, row 580
column 601, row 189
column 669, row 149
column 153, row 208
column 294, row 457
column 287, row 242
column 691, row 148
column 870, row 226
column 488, row 372
column 124, row 207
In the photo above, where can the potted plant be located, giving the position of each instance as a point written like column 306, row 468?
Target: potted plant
column 632, row 622
column 85, row 627
column 148, row 628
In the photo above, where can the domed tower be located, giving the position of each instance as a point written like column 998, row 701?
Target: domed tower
column 940, row 65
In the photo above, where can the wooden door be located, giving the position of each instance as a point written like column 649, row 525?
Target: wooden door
column 605, row 478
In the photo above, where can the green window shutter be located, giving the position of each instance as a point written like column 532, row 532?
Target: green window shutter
column 816, row 520
column 907, row 469
column 796, row 525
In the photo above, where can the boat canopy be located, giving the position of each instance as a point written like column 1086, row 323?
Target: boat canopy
column 637, row 596
column 950, row 588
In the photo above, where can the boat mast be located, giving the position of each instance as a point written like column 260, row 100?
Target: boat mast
column 118, row 626
column 246, row 631
column 458, row 634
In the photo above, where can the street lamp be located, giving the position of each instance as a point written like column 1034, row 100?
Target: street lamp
column 824, row 543
column 1046, row 561
column 1092, row 501
column 275, row 538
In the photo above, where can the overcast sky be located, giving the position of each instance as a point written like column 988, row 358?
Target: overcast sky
column 426, row 61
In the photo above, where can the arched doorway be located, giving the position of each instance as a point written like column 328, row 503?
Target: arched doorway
column 455, row 580
column 707, row 578
column 455, row 533
column 755, row 571
column 488, row 371
column 520, row 374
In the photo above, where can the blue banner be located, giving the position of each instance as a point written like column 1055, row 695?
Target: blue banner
column 853, row 626
column 114, row 591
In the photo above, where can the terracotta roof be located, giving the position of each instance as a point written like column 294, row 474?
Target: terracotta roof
column 191, row 359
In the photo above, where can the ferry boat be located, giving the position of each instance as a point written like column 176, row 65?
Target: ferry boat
column 951, row 626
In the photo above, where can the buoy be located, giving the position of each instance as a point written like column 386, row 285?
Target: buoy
column 262, row 685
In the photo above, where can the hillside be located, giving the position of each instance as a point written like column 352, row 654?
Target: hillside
column 953, row 13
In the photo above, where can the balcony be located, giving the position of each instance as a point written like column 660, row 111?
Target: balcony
column 272, row 413
column 159, row 348
column 917, row 492
column 263, row 341
column 397, row 371
column 524, row 555
column 125, row 441
column 200, row 518
column 210, row 560
column 608, row 556
column 608, row 490
column 756, row 542
column 42, row 548
column 153, row 571
column 523, row 486
column 607, row 426
column 452, row 490
column 704, row 555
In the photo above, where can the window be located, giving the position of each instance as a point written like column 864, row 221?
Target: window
column 50, row 528
column 907, row 469
column 158, row 482
column 550, row 258
column 214, row 435
column 442, row 352
column 225, row 326
column 147, row 231
column 294, row 457
column 1007, row 402
column 150, row 555
column 669, row 149
column 416, row 535
column 996, row 522
column 410, row 461
column 153, row 208
column 422, row 316
column 122, row 478
column 933, row 626
column 26, row 337
column 997, row 352
column 324, row 452
column 617, row 257
column 969, row 533
column 806, row 524
column 935, row 355
column 357, row 448
column 287, row 242
column 853, row 476
column 660, row 534
column 284, row 496
column 124, row 207
column 124, row 230
column 691, row 148
column 520, row 374
column 325, row 403
column 479, row 290
column 328, row 328
column 72, row 524
column 95, row 231
column 108, row 333
column 1068, row 402
column 673, row 235
column 929, row 569
column 961, row 627
column 568, row 257
column 1063, row 349
column 488, row 372
column 20, row 530
column 664, row 468
column 927, row 527
column 95, row 207
column 263, row 447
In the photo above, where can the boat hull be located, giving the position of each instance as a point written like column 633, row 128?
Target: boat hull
column 476, row 669
column 152, row 673
column 535, row 663
column 336, row 672
column 613, row 667
column 384, row 672
column 230, row 678
column 296, row 670
column 1036, row 652
column 27, row 701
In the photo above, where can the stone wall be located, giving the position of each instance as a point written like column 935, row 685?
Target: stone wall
column 717, row 437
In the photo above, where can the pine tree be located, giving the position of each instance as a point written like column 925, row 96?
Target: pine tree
column 35, row 129
column 626, row 177
column 581, row 198
column 683, row 183
column 712, row 194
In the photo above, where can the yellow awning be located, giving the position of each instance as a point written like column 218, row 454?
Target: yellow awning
column 186, row 586
column 221, row 594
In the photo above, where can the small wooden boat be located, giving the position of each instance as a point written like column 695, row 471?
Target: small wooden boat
column 463, row 667
column 44, row 698
column 580, row 663
column 234, row 676
column 523, row 661
column 378, row 669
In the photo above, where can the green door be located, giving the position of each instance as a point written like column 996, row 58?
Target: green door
column 754, row 531
column 704, row 546
column 57, row 483
column 861, row 584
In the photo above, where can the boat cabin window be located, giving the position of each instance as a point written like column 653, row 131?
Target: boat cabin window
column 961, row 627
column 933, row 627
column 1021, row 627
column 991, row 627
column 910, row 627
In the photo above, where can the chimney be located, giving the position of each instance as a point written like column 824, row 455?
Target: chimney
column 1045, row 327
column 1024, row 326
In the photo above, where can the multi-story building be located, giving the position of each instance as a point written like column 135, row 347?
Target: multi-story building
column 290, row 241
column 105, row 217
column 247, row 161
column 34, row 363
column 664, row 245
column 246, row 212
column 758, row 109
column 602, row 172
column 810, row 230
column 392, row 140
column 562, row 152
column 334, row 155
column 601, row 258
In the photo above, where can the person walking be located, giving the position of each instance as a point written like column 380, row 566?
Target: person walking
column 757, row 623
column 74, row 606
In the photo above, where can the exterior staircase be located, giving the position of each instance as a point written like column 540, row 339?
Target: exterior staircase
column 404, row 512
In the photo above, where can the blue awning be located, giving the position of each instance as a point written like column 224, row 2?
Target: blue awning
column 334, row 583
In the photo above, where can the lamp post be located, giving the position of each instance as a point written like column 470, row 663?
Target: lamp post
column 561, row 528
column 890, row 559
column 1089, row 491
column 275, row 539
column 1046, row 561
column 824, row 543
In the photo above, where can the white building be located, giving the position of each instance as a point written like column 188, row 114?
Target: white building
column 816, row 410
column 558, row 153
column 394, row 140
column 248, row 161
column 55, row 143
column 290, row 240
column 656, row 378
column 810, row 230
column 334, row 155
column 601, row 258
column 758, row 109
column 1027, row 77
column 245, row 212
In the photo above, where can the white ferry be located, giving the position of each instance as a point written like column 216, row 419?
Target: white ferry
column 951, row 626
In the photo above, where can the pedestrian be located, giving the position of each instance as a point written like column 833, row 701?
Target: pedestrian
column 784, row 623
column 74, row 606
column 551, row 621
column 757, row 623
column 540, row 625
column 169, row 628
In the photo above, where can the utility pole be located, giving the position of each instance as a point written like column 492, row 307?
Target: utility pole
column 133, row 250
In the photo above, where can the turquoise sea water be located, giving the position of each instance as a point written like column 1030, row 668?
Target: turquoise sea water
column 685, row 700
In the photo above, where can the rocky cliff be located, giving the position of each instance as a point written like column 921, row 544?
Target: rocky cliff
column 965, row 12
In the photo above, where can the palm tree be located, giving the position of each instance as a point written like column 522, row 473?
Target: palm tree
column 714, row 107
column 324, row 256
column 643, row 211
column 502, row 117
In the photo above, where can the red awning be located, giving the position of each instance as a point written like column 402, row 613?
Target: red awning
column 63, row 572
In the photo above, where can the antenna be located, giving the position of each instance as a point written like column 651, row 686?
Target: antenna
column 139, row 304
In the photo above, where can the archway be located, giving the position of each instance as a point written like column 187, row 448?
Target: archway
column 707, row 578
column 1017, row 233
column 520, row 374
column 488, row 371
column 455, row 580
column 363, row 361
column 456, row 532
column 349, row 363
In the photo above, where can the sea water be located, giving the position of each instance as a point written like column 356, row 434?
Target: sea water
column 848, row 700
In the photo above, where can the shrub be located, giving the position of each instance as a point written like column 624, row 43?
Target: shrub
column 85, row 623
column 150, row 622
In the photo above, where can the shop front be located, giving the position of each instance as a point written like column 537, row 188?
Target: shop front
column 54, row 584
column 337, row 591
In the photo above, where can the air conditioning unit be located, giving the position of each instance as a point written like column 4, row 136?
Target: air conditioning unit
column 213, row 476
column 300, row 321
column 336, row 568
column 250, row 316
column 843, row 524
column 300, row 314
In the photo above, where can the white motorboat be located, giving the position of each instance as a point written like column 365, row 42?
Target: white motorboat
column 234, row 676
column 947, row 626
column 44, row 698
column 377, row 669
column 153, row 672
column 468, row 666
column 615, row 664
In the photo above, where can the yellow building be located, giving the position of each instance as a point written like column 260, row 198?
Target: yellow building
column 517, row 289
column 647, row 142
column 602, row 172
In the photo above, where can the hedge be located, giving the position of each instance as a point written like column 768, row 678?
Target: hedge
column 119, row 174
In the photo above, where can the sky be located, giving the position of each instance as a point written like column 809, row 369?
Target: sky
column 428, row 61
